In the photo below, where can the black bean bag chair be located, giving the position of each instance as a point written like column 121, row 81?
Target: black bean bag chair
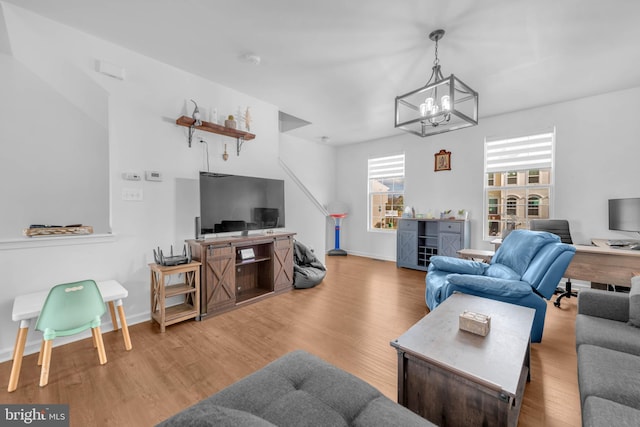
column 307, row 270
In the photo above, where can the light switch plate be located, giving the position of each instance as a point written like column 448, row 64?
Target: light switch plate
column 132, row 194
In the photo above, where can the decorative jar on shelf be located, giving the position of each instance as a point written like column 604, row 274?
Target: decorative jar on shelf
column 231, row 123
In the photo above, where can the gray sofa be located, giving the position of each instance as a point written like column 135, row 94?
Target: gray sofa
column 298, row 389
column 608, row 346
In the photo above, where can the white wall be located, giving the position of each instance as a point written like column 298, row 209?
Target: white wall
column 142, row 111
column 314, row 166
column 59, row 189
column 597, row 155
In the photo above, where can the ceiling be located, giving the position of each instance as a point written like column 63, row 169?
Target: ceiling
column 339, row 64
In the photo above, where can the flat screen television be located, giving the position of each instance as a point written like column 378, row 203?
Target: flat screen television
column 624, row 214
column 231, row 203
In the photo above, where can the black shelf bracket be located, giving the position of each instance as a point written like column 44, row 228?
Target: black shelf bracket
column 239, row 143
column 192, row 129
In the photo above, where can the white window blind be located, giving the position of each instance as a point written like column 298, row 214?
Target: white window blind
column 386, row 167
column 519, row 153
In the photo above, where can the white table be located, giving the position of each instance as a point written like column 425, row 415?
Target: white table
column 27, row 307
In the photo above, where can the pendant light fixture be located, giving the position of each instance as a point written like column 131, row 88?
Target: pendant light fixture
column 442, row 105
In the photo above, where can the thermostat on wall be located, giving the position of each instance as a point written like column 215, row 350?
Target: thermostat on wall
column 152, row 176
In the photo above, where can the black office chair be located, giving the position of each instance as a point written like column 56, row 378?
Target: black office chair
column 559, row 227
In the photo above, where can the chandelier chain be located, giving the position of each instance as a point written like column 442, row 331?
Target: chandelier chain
column 436, row 61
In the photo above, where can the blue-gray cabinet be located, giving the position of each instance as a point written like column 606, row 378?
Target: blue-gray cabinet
column 419, row 239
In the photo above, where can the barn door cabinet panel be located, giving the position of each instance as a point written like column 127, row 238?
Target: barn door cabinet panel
column 407, row 245
column 220, row 278
column 283, row 264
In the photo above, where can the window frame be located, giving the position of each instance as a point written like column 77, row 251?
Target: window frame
column 510, row 163
column 388, row 167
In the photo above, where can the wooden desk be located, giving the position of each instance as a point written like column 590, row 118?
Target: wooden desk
column 604, row 264
column 474, row 254
column 601, row 263
column 27, row 307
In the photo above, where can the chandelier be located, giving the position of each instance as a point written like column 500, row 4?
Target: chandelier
column 442, row 105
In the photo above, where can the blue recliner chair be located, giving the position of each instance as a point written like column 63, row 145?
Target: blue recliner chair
column 525, row 270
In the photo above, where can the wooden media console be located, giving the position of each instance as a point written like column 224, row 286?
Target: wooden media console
column 228, row 279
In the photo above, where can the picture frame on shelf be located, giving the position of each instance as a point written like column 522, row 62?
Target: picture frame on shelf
column 442, row 161
column 246, row 254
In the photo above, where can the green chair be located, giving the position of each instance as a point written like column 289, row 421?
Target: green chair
column 69, row 309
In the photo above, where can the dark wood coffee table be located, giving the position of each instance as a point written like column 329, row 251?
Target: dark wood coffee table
column 456, row 378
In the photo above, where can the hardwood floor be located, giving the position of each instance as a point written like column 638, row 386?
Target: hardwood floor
column 348, row 320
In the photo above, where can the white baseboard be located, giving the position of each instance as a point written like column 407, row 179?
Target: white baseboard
column 372, row 256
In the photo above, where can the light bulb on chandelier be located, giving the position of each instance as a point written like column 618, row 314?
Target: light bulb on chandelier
column 429, row 109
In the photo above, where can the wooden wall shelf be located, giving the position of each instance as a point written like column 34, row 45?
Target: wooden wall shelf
column 239, row 135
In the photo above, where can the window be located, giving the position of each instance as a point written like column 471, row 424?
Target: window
column 533, row 206
column 519, row 181
column 493, row 206
column 386, row 192
column 512, row 205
